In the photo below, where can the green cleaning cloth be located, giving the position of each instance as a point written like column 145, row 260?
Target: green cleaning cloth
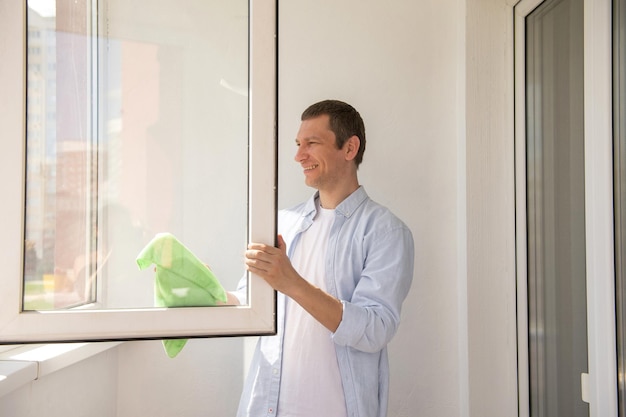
column 181, row 280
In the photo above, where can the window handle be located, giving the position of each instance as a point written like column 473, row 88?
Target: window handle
column 584, row 387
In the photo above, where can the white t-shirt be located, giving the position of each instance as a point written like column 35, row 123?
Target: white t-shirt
column 310, row 382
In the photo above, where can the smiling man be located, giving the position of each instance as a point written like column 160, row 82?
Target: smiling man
column 342, row 269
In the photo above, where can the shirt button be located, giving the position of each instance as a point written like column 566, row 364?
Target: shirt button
column 275, row 371
column 271, row 410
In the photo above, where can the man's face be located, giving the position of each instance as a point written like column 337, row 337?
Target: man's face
column 323, row 164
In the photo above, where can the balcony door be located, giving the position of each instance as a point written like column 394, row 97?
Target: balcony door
column 564, row 209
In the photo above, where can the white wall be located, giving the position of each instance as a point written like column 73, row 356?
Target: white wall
column 205, row 379
column 86, row 389
column 430, row 79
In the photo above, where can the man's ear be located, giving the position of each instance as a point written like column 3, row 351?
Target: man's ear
column 351, row 147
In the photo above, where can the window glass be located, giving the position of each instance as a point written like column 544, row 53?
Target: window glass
column 619, row 143
column 555, row 187
column 136, row 124
column 152, row 151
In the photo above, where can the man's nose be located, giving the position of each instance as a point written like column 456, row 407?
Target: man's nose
column 300, row 154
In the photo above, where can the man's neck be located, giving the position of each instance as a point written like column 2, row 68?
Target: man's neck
column 331, row 199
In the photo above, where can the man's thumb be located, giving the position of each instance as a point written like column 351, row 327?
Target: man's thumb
column 281, row 243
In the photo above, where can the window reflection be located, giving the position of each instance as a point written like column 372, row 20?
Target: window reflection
column 136, row 124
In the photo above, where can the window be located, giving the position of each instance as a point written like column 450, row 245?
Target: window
column 555, row 190
column 619, row 132
column 564, row 209
column 137, row 118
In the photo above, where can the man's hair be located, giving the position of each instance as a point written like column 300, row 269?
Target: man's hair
column 344, row 122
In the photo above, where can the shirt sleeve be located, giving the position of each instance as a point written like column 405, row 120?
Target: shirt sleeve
column 372, row 315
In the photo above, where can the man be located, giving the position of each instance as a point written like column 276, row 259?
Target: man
column 342, row 269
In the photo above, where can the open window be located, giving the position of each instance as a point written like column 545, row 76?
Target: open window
column 122, row 120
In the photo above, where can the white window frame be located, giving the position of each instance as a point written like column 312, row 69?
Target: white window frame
column 602, row 378
column 255, row 318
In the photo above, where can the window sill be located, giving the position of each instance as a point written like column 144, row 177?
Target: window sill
column 26, row 363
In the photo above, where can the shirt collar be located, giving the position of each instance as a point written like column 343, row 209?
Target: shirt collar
column 346, row 208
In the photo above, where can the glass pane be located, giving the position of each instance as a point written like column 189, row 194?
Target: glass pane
column 556, row 218
column 137, row 124
column 619, row 123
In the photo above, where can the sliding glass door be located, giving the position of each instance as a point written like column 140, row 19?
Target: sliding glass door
column 564, row 209
column 555, row 189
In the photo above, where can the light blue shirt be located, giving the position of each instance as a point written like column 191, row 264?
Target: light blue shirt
column 369, row 267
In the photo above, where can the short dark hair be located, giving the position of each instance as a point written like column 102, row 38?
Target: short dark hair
column 344, row 122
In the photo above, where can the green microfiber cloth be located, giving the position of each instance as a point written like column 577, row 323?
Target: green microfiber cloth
column 181, row 280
